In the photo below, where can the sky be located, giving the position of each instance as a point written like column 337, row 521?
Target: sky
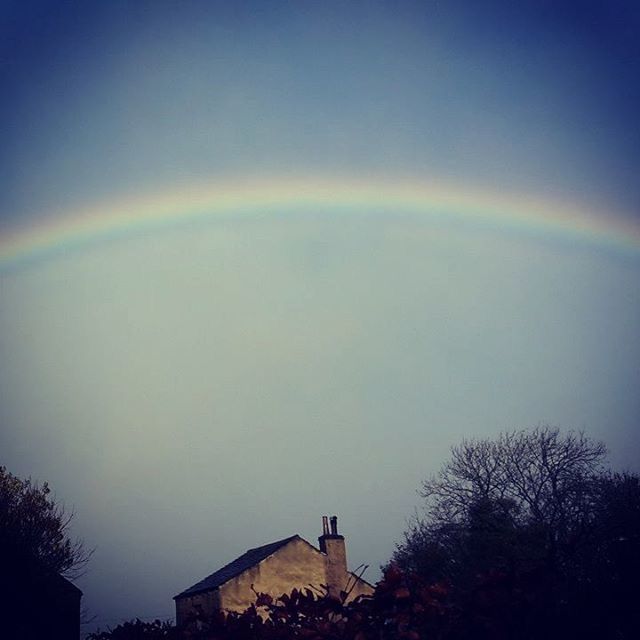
column 195, row 375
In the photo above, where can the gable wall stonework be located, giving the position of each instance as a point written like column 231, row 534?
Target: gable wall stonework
column 206, row 602
column 297, row 564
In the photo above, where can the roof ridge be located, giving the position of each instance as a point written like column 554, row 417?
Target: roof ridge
column 278, row 542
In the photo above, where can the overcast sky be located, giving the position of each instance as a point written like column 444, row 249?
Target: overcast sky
column 198, row 391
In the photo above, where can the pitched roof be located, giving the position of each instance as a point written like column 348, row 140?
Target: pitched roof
column 34, row 575
column 231, row 570
column 65, row 584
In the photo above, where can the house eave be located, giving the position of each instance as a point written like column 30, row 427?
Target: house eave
column 189, row 594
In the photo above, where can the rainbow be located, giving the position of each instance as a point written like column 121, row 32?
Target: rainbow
column 61, row 234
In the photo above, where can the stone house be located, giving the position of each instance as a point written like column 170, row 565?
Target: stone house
column 275, row 568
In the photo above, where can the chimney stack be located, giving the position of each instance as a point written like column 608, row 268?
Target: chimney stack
column 332, row 545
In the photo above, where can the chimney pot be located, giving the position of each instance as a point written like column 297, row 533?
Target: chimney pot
column 325, row 526
column 334, row 525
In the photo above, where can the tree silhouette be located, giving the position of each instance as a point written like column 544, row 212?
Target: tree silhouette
column 34, row 530
column 533, row 535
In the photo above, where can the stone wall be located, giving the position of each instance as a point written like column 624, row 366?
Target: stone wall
column 206, row 603
column 297, row 564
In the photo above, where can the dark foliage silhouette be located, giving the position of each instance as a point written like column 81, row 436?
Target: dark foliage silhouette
column 34, row 529
column 402, row 607
column 36, row 553
column 532, row 519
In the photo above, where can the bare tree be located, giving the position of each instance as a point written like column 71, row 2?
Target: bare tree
column 544, row 476
column 525, row 492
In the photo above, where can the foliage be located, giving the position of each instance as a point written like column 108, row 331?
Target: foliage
column 34, row 530
column 139, row 630
column 402, row 607
column 535, row 514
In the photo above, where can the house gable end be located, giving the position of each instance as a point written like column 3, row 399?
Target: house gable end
column 243, row 563
column 297, row 564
